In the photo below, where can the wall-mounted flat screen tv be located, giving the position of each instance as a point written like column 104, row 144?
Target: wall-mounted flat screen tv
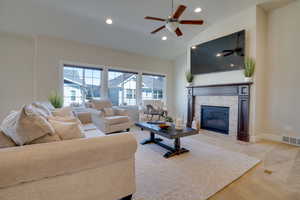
column 219, row 55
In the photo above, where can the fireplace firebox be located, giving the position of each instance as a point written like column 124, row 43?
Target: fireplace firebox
column 215, row 118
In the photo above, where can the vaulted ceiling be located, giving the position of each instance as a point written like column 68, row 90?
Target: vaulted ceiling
column 84, row 21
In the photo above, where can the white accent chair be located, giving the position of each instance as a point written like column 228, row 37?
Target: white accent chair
column 119, row 121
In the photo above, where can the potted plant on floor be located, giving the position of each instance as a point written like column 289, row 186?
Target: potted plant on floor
column 189, row 78
column 249, row 69
column 56, row 100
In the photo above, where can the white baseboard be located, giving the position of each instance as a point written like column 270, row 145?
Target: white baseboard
column 272, row 137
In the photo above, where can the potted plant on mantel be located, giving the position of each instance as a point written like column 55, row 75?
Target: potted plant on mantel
column 189, row 78
column 249, row 69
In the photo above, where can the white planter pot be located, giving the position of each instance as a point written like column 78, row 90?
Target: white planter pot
column 190, row 84
column 248, row 79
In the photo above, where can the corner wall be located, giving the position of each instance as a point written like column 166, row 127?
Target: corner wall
column 282, row 95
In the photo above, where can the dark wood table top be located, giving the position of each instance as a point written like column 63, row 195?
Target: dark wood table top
column 170, row 133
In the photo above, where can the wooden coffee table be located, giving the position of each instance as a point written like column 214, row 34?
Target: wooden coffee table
column 171, row 133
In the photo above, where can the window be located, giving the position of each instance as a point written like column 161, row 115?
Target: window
column 73, row 95
column 153, row 86
column 81, row 84
column 122, row 87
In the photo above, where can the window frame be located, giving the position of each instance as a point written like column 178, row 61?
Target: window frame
column 80, row 66
column 156, row 92
column 104, row 79
column 124, row 93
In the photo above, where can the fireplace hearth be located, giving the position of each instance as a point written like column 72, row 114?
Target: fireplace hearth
column 215, row 118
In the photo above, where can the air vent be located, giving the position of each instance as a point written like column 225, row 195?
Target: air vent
column 291, row 140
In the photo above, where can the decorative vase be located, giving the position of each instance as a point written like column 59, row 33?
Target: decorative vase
column 248, row 79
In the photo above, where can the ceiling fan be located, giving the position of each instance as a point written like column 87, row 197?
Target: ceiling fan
column 172, row 23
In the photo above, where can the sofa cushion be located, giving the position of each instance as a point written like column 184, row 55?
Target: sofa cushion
column 63, row 112
column 5, row 141
column 116, row 120
column 25, row 126
column 101, row 104
column 67, row 130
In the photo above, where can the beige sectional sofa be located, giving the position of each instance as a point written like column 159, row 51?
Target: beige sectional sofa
column 97, row 168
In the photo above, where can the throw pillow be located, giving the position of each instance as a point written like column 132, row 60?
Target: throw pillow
column 42, row 109
column 5, row 141
column 46, row 139
column 63, row 112
column 67, row 130
column 25, row 126
column 108, row 112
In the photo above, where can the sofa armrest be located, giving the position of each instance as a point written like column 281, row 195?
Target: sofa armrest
column 35, row 162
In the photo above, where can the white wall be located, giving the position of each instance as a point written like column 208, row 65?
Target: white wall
column 282, row 94
column 273, row 40
column 16, row 72
column 30, row 67
column 51, row 51
column 180, row 91
column 245, row 20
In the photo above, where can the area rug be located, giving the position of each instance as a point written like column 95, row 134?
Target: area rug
column 197, row 175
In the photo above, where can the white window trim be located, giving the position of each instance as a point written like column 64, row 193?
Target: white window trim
column 104, row 79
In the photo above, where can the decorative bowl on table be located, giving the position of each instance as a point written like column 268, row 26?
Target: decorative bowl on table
column 164, row 126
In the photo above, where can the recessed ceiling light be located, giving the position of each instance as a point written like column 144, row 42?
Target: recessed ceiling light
column 194, row 47
column 232, row 65
column 164, row 38
column 108, row 21
column 197, row 10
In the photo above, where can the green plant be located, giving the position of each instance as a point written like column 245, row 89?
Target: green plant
column 169, row 119
column 56, row 100
column 249, row 67
column 189, row 77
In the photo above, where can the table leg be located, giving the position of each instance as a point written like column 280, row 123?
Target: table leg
column 152, row 139
column 177, row 149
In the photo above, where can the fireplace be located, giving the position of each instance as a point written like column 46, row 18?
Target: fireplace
column 215, row 118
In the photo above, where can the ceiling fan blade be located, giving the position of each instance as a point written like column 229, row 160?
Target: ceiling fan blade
column 179, row 11
column 178, row 32
column 226, row 51
column 228, row 54
column 155, row 18
column 192, row 22
column 160, row 28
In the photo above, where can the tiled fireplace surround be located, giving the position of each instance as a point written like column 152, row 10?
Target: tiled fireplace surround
column 225, row 101
column 236, row 96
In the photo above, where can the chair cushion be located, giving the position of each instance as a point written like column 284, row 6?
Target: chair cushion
column 108, row 112
column 116, row 119
column 101, row 104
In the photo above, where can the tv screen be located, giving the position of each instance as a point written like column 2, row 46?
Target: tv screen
column 222, row 54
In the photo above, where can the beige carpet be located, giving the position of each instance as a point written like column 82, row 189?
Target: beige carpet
column 197, row 175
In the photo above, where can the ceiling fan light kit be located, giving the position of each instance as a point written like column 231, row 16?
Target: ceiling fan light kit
column 172, row 23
